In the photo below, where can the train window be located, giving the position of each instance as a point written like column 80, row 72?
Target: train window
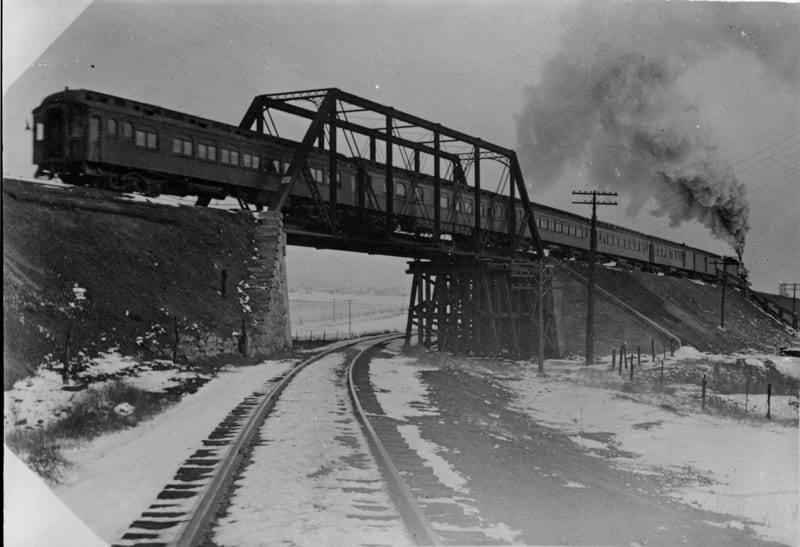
column 318, row 175
column 212, row 152
column 499, row 212
column 352, row 184
column 127, row 130
column 400, row 190
column 111, row 128
column 250, row 160
column 39, row 131
column 444, row 201
column 228, row 156
column 202, row 151
column 276, row 166
column 146, row 139
column 256, row 162
column 182, row 147
column 466, row 206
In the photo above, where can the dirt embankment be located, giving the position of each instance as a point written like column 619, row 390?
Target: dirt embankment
column 148, row 271
column 691, row 310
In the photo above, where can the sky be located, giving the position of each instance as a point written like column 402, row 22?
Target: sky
column 688, row 110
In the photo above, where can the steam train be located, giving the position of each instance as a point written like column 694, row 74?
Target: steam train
column 88, row 138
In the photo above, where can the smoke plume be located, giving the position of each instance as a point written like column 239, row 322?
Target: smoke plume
column 609, row 104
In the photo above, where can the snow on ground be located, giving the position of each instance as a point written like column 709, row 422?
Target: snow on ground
column 29, row 502
column 113, row 478
column 40, row 399
column 743, row 468
column 312, row 480
column 402, row 395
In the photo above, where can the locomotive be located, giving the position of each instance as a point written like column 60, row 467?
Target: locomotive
column 88, row 138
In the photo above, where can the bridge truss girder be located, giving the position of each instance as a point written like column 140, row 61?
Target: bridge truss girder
column 413, row 138
column 482, row 307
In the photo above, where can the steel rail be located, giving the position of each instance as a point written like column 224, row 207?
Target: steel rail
column 411, row 512
column 204, row 509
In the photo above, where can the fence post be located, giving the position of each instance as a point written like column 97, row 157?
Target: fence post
column 638, row 356
column 613, row 359
column 653, row 348
column 704, row 390
column 175, row 339
column 631, row 368
column 662, row 374
column 243, row 339
column 769, row 401
column 67, row 355
column 620, row 360
column 746, row 391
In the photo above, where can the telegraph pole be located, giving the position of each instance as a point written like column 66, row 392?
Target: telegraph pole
column 785, row 287
column 724, row 263
column 592, row 254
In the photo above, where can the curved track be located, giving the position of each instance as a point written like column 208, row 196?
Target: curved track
column 418, row 524
column 186, row 509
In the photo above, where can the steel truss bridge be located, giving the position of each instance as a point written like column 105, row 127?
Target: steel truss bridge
column 468, row 293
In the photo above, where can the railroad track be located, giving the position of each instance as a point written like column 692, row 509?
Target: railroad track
column 186, row 509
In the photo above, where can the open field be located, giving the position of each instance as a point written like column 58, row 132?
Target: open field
column 317, row 315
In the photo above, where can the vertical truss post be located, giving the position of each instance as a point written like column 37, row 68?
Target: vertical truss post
column 477, row 200
column 333, row 171
column 437, row 190
column 389, row 176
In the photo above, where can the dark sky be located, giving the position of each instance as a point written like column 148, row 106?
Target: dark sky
column 468, row 65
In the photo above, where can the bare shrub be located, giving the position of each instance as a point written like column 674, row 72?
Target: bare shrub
column 39, row 451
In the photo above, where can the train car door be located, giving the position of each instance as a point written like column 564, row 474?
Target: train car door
column 94, row 138
column 651, row 252
column 55, row 135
